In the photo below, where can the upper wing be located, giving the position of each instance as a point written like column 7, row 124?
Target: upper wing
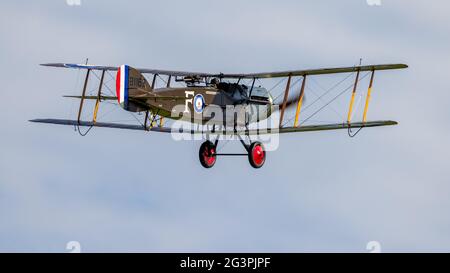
column 322, row 71
column 281, row 74
column 308, row 128
column 141, row 70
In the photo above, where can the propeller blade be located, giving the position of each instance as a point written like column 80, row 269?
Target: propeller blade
column 291, row 102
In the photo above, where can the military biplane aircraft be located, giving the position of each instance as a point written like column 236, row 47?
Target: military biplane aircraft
column 221, row 92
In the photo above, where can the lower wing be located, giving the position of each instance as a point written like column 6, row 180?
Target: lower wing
column 264, row 131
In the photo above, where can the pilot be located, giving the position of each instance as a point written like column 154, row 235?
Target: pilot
column 215, row 82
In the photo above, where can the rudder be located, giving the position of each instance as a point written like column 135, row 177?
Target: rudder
column 130, row 83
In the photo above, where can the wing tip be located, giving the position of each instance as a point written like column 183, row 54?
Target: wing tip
column 53, row 64
column 35, row 120
column 393, row 122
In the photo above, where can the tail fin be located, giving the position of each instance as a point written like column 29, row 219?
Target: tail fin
column 130, row 83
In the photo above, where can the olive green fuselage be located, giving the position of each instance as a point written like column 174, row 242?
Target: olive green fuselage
column 209, row 105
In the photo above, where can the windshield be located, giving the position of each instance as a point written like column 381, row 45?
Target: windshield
column 260, row 92
column 240, row 90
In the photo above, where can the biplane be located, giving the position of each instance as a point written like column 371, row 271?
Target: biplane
column 212, row 99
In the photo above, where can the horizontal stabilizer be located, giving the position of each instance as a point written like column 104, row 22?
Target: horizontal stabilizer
column 92, row 97
column 144, row 97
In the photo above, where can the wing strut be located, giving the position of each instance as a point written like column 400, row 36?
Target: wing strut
column 369, row 91
column 99, row 94
column 286, row 94
column 154, row 81
column 350, row 109
column 300, row 101
column 97, row 98
column 83, row 94
column 168, row 81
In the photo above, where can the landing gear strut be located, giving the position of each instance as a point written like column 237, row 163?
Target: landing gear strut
column 255, row 152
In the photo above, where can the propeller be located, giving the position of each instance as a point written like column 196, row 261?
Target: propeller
column 292, row 101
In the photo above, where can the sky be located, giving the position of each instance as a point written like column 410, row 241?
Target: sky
column 128, row 191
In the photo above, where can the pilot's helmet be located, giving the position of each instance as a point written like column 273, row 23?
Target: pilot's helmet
column 215, row 81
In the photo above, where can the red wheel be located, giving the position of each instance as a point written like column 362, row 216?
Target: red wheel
column 207, row 154
column 256, row 155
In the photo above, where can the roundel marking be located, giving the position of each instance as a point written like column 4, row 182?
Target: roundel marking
column 199, row 103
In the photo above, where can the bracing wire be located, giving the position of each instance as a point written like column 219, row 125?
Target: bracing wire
column 85, row 133
column 321, row 97
column 332, row 100
column 351, row 134
column 290, row 87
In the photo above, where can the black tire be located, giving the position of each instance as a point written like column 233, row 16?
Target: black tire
column 207, row 154
column 256, row 155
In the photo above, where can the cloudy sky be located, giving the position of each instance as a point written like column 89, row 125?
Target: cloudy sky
column 117, row 190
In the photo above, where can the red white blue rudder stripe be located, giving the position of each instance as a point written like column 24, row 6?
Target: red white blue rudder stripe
column 131, row 83
column 122, row 85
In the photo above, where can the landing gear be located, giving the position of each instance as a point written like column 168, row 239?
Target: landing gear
column 255, row 153
column 207, row 154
